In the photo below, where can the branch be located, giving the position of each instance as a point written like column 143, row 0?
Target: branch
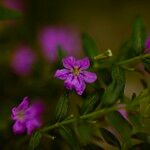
column 137, row 58
column 86, row 116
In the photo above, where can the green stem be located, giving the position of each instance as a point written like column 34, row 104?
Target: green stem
column 137, row 58
column 95, row 114
column 104, row 55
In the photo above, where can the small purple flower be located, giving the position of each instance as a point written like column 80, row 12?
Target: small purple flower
column 27, row 117
column 53, row 37
column 147, row 45
column 22, row 60
column 75, row 75
column 123, row 112
column 14, row 4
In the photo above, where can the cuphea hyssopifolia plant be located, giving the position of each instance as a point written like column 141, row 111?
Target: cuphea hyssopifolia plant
column 106, row 118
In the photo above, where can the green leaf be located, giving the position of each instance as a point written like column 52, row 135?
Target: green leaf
column 142, row 98
column 84, row 132
column 62, row 108
column 110, row 137
column 90, row 104
column 136, row 44
column 35, row 140
column 116, row 89
column 147, row 65
column 7, row 14
column 89, row 46
column 124, row 51
column 61, row 53
column 121, row 125
column 138, row 36
column 105, row 75
column 70, row 137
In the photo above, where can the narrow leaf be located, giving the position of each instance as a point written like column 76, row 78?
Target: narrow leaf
column 147, row 65
column 116, row 89
column 138, row 36
column 70, row 137
column 60, row 53
column 62, row 108
column 90, row 104
column 84, row 132
column 110, row 137
column 121, row 125
column 89, row 46
column 35, row 140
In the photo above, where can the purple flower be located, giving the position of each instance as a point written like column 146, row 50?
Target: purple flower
column 27, row 117
column 147, row 45
column 14, row 4
column 75, row 75
column 22, row 61
column 51, row 38
column 123, row 112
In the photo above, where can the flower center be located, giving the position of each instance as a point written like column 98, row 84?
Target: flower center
column 76, row 71
column 21, row 115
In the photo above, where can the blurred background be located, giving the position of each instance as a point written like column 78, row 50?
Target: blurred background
column 29, row 46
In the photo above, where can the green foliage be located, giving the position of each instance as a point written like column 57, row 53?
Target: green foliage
column 105, row 74
column 35, row 140
column 135, row 45
column 110, row 137
column 60, row 53
column 90, row 104
column 121, row 125
column 62, row 107
column 70, row 137
column 7, row 14
column 116, row 89
column 147, row 64
column 84, row 132
column 89, row 46
column 138, row 36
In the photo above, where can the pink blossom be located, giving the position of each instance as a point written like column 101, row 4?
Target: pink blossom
column 147, row 45
column 51, row 38
column 75, row 75
column 22, row 60
column 26, row 117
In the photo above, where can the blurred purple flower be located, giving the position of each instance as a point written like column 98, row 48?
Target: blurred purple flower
column 51, row 38
column 75, row 74
column 147, row 45
column 14, row 4
column 23, row 60
column 26, row 117
column 123, row 112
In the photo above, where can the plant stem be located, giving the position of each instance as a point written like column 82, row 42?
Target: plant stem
column 104, row 55
column 95, row 114
column 137, row 58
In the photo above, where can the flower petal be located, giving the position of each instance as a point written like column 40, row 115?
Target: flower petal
column 83, row 63
column 69, row 62
column 62, row 74
column 79, row 85
column 32, row 125
column 18, row 127
column 147, row 43
column 68, row 82
column 22, row 107
column 76, row 83
column 34, row 111
column 24, row 104
column 89, row 77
